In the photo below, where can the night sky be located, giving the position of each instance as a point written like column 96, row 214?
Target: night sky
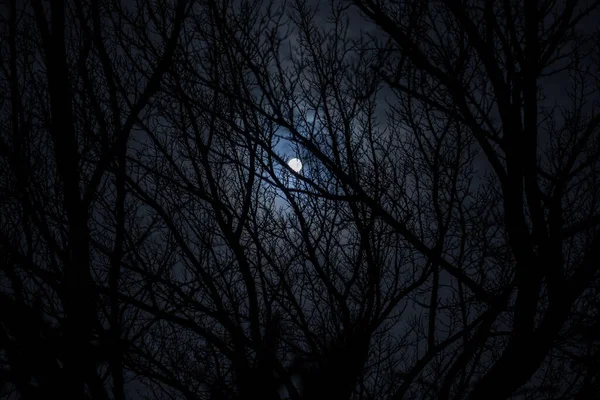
column 299, row 200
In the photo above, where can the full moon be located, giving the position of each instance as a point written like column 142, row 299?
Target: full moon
column 295, row 164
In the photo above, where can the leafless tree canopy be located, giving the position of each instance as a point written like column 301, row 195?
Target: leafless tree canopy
column 442, row 240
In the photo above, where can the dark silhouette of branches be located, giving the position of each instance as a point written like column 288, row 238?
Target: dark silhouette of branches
column 69, row 119
column 440, row 241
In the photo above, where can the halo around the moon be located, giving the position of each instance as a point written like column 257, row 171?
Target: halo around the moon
column 295, row 164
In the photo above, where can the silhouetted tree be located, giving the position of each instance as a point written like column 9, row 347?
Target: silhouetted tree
column 441, row 240
column 516, row 239
column 73, row 98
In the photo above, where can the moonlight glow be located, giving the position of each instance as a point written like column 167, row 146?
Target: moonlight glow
column 295, row 164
